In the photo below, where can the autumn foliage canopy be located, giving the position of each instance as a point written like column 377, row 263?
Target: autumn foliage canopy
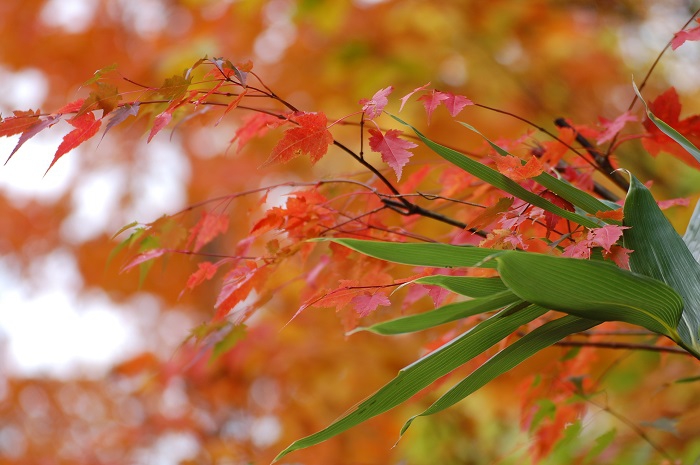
column 407, row 243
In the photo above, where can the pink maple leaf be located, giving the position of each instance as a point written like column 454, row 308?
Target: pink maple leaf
column 580, row 249
column 405, row 98
column 606, row 236
column 612, row 127
column 680, row 37
column 431, row 101
column 395, row 151
column 375, row 106
column 366, row 303
column 455, row 103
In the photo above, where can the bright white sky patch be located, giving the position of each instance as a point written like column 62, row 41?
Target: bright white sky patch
column 51, row 331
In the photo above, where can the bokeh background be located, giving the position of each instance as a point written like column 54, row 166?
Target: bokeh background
column 91, row 368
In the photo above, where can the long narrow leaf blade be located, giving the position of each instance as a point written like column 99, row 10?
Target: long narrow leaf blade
column 659, row 252
column 692, row 233
column 592, row 289
column 465, row 285
column 425, row 371
column 668, row 130
column 421, row 254
column 502, row 182
column 442, row 315
column 563, row 189
column 508, row 358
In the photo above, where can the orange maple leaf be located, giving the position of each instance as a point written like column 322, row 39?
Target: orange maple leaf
column 311, row 137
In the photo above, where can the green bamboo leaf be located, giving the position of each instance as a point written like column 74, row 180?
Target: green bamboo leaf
column 660, row 253
column 668, row 130
column 592, row 289
column 508, row 358
column 692, row 233
column 420, row 254
column 496, row 179
column 563, row 189
column 465, row 285
column 425, row 371
column 442, row 315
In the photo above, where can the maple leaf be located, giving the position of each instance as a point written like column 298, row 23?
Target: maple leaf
column 159, row 123
column 143, row 257
column 581, row 249
column 205, row 271
column 405, row 98
column 105, row 97
column 455, row 103
column 38, row 126
column 207, row 228
column 619, row 255
column 680, row 37
column 20, row 122
column 682, row 202
column 514, row 168
column 616, row 215
column 121, row 114
column 367, row 302
column 551, row 219
column 375, row 106
column 395, row 151
column 71, row 107
column 490, row 214
column 667, row 107
column 431, row 101
column 606, row 236
column 311, row 137
column 611, row 128
column 256, row 125
column 86, row 126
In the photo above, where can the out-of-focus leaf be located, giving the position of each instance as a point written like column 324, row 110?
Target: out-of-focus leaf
column 229, row 340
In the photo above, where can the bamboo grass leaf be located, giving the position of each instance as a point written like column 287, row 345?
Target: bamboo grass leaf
column 426, row 370
column 522, row 349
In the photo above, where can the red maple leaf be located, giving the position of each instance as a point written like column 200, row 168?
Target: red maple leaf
column 160, row 122
column 375, row 106
column 667, row 107
column 405, row 98
column 551, row 219
column 86, row 126
column 255, row 126
column 142, row 258
column 456, row 103
column 619, row 255
column 367, row 302
column 205, row 271
column 311, row 137
column 514, row 168
column 20, row 122
column 616, row 215
column 680, row 37
column 207, row 228
column 612, row 127
column 395, row 151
